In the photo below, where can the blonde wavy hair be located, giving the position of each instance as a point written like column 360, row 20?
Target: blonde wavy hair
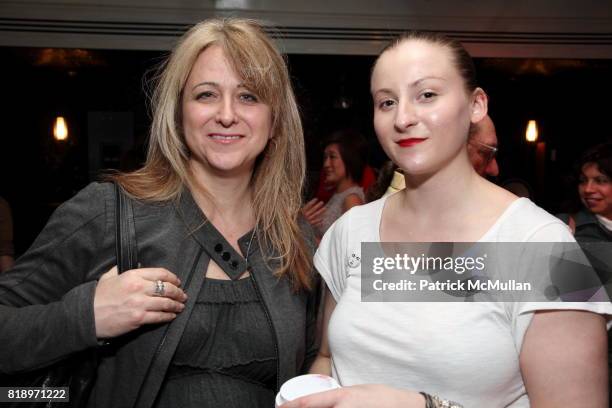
column 278, row 177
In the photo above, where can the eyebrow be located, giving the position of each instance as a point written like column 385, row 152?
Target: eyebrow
column 383, row 91
column 412, row 85
column 215, row 84
column 418, row 81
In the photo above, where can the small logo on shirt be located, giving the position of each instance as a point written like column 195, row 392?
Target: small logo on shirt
column 353, row 261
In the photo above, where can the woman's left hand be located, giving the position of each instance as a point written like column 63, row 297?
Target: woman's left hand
column 360, row 396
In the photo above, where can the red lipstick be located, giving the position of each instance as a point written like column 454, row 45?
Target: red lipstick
column 410, row 141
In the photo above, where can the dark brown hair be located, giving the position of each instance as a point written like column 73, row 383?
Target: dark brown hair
column 600, row 155
column 383, row 180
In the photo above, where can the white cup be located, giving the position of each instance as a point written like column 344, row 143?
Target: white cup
column 304, row 385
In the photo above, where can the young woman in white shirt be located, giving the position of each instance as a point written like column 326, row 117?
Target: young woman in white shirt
column 477, row 354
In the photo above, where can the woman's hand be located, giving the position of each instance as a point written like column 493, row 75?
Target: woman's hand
column 313, row 211
column 125, row 302
column 360, row 396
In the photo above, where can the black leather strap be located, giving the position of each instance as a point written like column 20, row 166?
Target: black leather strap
column 125, row 234
column 156, row 373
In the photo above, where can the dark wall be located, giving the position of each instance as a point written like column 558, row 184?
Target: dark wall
column 36, row 172
column 570, row 101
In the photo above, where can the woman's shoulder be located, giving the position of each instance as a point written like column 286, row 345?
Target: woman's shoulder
column 99, row 198
column 533, row 213
column 359, row 222
column 358, row 190
column 523, row 220
column 90, row 201
column 353, row 199
column 364, row 214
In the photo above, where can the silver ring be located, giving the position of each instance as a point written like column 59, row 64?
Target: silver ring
column 160, row 288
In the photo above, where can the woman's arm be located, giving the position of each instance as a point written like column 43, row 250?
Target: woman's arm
column 51, row 304
column 564, row 360
column 322, row 363
column 47, row 298
column 359, row 396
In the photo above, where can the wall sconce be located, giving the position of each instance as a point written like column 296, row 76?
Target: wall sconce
column 531, row 134
column 60, row 129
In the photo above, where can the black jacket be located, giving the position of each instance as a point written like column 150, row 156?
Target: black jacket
column 46, row 300
column 596, row 242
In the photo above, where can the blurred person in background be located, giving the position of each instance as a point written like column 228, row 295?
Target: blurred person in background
column 482, row 147
column 594, row 222
column 7, row 250
column 343, row 166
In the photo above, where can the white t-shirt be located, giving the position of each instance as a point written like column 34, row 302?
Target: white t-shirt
column 466, row 352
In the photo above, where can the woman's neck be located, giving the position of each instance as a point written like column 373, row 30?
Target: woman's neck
column 454, row 204
column 445, row 192
column 224, row 199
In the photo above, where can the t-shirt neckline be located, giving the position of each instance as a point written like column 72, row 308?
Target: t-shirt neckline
column 505, row 214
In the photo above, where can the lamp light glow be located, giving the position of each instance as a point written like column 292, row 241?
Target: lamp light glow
column 60, row 129
column 531, row 134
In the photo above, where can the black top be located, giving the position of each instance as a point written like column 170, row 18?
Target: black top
column 226, row 356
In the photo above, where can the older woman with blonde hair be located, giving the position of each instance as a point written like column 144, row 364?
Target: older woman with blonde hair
column 219, row 310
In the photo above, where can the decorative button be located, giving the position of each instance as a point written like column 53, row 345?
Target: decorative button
column 234, row 264
column 226, row 256
column 552, row 292
column 354, row 260
column 218, row 248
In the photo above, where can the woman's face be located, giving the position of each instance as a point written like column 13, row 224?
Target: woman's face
column 334, row 170
column 422, row 111
column 595, row 190
column 226, row 125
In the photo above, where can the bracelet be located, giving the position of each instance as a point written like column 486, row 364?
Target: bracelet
column 433, row 401
column 428, row 400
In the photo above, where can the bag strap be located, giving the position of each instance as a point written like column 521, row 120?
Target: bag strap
column 125, row 234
